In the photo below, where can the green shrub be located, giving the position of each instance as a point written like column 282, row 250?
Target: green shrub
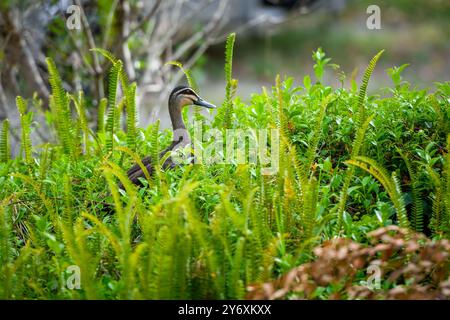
column 210, row 231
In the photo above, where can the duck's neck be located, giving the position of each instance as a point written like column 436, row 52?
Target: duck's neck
column 175, row 116
column 180, row 134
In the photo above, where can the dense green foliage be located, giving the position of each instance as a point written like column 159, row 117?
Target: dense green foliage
column 209, row 231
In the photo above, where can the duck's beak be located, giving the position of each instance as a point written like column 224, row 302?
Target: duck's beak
column 202, row 103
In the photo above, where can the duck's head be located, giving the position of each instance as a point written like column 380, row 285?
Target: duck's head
column 184, row 96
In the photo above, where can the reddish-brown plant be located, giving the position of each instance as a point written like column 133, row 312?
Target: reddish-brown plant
column 410, row 266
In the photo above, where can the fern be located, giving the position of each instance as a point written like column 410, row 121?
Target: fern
column 309, row 209
column 75, row 237
column 236, row 285
column 281, row 120
column 62, row 109
column 283, row 161
column 5, row 253
column 137, row 159
column 154, row 142
column 25, row 121
column 417, row 206
column 361, row 124
column 118, row 114
column 101, row 115
column 4, row 231
column 362, row 91
column 125, row 217
column 68, row 201
column 131, row 116
column 230, row 83
column 154, row 151
column 187, row 72
column 436, row 221
column 312, row 150
column 5, row 151
column 44, row 163
column 49, row 207
column 440, row 219
column 357, row 143
column 112, row 94
column 83, row 121
column 446, row 179
column 390, row 183
column 108, row 55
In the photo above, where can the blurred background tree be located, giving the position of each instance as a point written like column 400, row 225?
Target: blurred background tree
column 145, row 35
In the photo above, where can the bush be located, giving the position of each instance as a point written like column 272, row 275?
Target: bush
column 210, row 231
column 411, row 268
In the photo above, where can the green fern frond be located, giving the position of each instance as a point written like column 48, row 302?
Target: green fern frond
column 417, row 205
column 44, row 162
column 137, row 159
column 68, row 217
column 154, row 142
column 101, row 115
column 237, row 287
column 155, row 150
column 295, row 159
column 229, row 47
column 187, row 72
column 309, row 208
column 5, row 252
column 230, row 84
column 361, row 124
column 75, row 237
column 390, row 184
column 5, row 151
column 61, row 107
column 105, row 231
column 312, row 149
column 80, row 106
column 447, row 186
column 357, row 144
column 362, row 91
column 437, row 202
column 25, row 122
column 440, row 218
column 108, row 55
column 43, row 197
column 281, row 119
column 112, row 95
column 131, row 116
column 399, row 203
column 120, row 109
column 359, row 138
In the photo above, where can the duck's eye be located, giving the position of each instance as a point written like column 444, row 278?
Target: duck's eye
column 188, row 92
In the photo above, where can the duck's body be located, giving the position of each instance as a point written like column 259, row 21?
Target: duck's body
column 180, row 97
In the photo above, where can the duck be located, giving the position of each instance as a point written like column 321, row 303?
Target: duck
column 180, row 97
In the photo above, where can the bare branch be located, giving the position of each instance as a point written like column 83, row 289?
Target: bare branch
column 206, row 31
column 12, row 19
column 3, row 102
column 89, row 36
column 149, row 15
column 198, row 53
column 124, row 50
column 80, row 54
column 108, row 25
column 91, row 42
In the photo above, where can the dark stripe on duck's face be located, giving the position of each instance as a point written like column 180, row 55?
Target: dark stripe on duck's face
column 188, row 96
column 186, row 92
